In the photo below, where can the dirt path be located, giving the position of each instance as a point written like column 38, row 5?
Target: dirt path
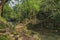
column 22, row 36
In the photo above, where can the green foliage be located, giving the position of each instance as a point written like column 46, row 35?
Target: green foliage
column 42, row 9
column 2, row 25
column 45, row 16
column 4, row 37
column 43, row 13
column 8, row 12
column 3, row 19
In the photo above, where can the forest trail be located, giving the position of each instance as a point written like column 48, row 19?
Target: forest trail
column 23, row 36
column 18, row 28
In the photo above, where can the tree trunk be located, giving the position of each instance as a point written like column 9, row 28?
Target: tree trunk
column 0, row 10
column 2, row 2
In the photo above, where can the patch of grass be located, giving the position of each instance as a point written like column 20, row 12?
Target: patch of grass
column 4, row 37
